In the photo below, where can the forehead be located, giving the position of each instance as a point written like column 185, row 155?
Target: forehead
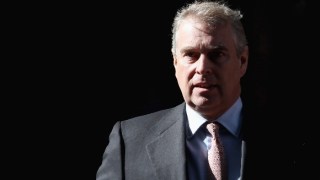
column 193, row 31
column 192, row 23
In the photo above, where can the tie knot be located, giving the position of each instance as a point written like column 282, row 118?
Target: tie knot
column 213, row 127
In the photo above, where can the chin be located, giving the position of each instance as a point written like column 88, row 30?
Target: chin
column 205, row 102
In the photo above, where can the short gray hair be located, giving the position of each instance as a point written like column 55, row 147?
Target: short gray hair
column 212, row 13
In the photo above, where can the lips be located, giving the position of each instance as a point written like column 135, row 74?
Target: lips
column 203, row 85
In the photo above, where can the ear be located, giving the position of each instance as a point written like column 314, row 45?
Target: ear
column 244, row 60
column 174, row 58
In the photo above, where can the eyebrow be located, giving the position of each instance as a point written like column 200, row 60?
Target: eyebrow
column 186, row 49
column 214, row 48
column 219, row 47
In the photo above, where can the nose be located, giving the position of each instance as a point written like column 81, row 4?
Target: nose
column 204, row 65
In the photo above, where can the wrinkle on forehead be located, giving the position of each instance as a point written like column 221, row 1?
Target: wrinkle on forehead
column 201, row 25
column 211, row 41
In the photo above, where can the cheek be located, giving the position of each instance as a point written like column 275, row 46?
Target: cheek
column 182, row 75
column 233, row 72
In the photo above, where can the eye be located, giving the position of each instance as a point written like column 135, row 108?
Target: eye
column 216, row 56
column 191, row 55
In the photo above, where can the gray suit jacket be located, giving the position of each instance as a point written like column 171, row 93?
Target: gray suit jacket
column 148, row 147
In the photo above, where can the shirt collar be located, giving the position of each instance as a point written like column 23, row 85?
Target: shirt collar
column 231, row 119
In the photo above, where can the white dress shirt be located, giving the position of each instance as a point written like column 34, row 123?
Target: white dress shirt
column 197, row 142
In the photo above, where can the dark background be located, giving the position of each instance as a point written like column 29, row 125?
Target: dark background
column 83, row 66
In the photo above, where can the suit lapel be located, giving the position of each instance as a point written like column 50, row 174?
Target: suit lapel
column 243, row 157
column 167, row 150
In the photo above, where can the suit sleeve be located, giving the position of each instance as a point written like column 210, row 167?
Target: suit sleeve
column 111, row 166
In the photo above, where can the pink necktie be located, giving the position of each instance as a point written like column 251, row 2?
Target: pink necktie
column 215, row 154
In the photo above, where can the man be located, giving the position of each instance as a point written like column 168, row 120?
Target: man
column 210, row 56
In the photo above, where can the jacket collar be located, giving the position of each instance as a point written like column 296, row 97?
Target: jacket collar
column 169, row 163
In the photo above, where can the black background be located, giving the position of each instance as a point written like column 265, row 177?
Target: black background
column 77, row 68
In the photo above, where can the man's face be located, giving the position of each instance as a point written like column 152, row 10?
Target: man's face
column 207, row 67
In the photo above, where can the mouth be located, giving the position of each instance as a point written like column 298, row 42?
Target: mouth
column 204, row 85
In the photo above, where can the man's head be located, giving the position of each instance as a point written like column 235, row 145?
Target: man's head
column 210, row 55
